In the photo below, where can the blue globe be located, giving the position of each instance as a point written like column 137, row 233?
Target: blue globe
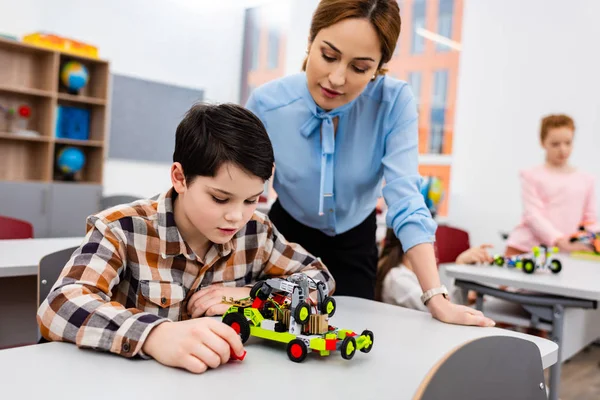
column 70, row 160
column 74, row 75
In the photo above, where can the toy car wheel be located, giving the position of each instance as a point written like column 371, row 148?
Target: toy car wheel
column 296, row 350
column 555, row 266
column 368, row 348
column 328, row 307
column 348, row 348
column 257, row 291
column 528, row 266
column 239, row 323
column 302, row 313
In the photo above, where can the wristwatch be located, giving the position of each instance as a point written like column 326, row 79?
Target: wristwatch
column 425, row 297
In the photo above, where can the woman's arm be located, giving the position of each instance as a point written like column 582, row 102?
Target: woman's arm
column 407, row 213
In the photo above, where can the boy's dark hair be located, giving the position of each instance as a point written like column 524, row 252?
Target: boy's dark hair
column 210, row 135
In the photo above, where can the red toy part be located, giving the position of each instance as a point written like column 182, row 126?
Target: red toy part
column 330, row 344
column 233, row 356
column 25, row 111
column 258, row 303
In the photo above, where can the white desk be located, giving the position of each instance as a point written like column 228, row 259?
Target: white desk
column 19, row 261
column 407, row 344
column 21, row 257
column 573, row 328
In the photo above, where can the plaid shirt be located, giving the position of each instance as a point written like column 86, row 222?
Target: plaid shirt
column 134, row 271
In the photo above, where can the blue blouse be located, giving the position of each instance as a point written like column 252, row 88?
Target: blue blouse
column 331, row 182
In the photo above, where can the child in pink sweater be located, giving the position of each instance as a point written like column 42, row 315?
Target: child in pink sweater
column 557, row 198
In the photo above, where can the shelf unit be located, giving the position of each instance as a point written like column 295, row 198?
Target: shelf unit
column 29, row 75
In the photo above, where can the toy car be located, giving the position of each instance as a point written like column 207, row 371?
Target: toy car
column 584, row 236
column 279, row 309
column 541, row 257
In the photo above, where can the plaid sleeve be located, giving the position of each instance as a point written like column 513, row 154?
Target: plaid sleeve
column 79, row 307
column 283, row 258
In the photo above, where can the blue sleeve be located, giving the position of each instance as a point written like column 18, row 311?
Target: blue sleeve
column 253, row 104
column 407, row 213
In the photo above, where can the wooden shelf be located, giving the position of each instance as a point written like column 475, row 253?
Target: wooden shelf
column 12, row 136
column 16, row 45
column 30, row 76
column 81, row 99
column 75, row 142
column 26, row 91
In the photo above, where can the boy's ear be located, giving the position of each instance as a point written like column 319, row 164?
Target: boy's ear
column 178, row 178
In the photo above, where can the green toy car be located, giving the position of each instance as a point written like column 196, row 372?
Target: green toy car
column 278, row 309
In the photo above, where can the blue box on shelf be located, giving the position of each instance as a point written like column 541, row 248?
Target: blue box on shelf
column 72, row 123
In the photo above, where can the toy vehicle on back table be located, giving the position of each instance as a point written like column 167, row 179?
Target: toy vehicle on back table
column 541, row 257
column 587, row 237
column 278, row 309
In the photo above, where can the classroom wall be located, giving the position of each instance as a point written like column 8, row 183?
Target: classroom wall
column 520, row 61
column 196, row 44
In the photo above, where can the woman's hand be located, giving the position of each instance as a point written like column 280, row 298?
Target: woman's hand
column 445, row 311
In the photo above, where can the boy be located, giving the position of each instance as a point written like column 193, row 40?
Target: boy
column 145, row 265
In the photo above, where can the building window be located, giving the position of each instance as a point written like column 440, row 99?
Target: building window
column 438, row 111
column 414, row 80
column 418, row 22
column 445, row 23
column 273, row 56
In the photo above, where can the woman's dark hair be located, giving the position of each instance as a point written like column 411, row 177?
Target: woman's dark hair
column 391, row 257
column 210, row 135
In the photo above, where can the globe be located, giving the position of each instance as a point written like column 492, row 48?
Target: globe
column 74, row 75
column 70, row 160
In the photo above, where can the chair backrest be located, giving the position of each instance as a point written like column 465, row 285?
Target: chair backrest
column 12, row 228
column 50, row 267
column 494, row 367
column 450, row 242
column 111, row 201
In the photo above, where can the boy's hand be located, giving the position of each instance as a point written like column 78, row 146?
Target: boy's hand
column 195, row 345
column 475, row 255
column 207, row 301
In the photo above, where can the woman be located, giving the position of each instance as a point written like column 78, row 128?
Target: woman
column 338, row 129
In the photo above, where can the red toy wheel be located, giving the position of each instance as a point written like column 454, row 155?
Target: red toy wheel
column 296, row 350
column 239, row 323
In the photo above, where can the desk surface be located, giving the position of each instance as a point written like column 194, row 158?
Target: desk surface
column 21, row 257
column 578, row 278
column 407, row 345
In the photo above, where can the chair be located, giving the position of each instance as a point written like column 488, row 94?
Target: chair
column 494, row 367
column 111, row 201
column 12, row 228
column 49, row 269
column 450, row 242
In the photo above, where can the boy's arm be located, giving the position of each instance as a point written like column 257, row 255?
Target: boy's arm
column 533, row 212
column 282, row 258
column 79, row 307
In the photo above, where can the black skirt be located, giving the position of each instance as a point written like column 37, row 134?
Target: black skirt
column 351, row 257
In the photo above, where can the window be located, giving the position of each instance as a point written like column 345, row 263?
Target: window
column 273, row 55
column 445, row 23
column 438, row 111
column 418, row 22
